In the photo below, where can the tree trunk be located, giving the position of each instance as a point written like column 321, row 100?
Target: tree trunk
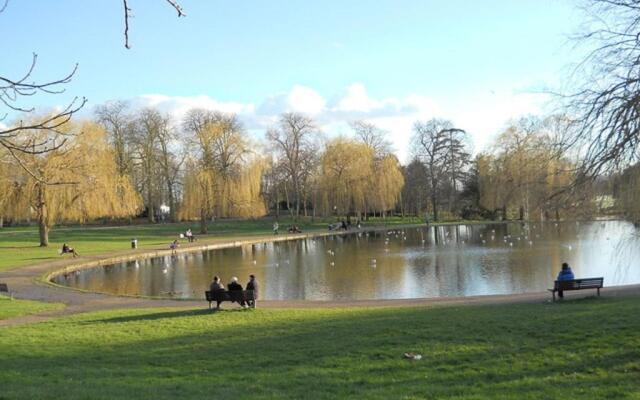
column 521, row 213
column 1, row 222
column 286, row 195
column 43, row 228
column 172, row 205
column 203, row 222
column 434, row 206
column 44, row 232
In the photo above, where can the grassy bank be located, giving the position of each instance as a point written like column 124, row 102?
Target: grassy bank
column 15, row 308
column 19, row 246
column 585, row 349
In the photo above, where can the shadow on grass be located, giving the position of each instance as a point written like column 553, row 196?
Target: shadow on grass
column 166, row 315
column 582, row 349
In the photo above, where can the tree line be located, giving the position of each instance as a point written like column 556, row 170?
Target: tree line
column 126, row 163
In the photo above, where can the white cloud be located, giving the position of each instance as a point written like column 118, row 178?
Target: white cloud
column 177, row 106
column 481, row 115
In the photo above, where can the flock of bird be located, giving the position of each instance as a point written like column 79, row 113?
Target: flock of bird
column 484, row 238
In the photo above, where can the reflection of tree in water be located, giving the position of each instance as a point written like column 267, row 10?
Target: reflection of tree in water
column 626, row 250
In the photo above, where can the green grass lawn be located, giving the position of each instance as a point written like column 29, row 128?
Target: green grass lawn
column 19, row 246
column 15, row 308
column 583, row 349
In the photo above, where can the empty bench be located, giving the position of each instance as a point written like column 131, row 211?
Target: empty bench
column 5, row 289
column 577, row 284
column 238, row 296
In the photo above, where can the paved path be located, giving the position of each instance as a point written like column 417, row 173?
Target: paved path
column 27, row 283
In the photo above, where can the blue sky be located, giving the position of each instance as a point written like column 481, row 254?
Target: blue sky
column 478, row 63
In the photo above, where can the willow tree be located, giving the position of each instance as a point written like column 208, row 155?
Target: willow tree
column 386, row 180
column 246, row 199
column 222, row 178
column 627, row 192
column 199, row 194
column 525, row 172
column 345, row 173
column 389, row 183
column 76, row 182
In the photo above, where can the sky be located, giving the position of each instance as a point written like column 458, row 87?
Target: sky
column 389, row 62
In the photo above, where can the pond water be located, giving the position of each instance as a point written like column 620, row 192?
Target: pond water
column 462, row 260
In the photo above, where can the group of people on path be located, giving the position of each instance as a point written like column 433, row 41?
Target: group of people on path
column 344, row 225
column 290, row 229
column 233, row 285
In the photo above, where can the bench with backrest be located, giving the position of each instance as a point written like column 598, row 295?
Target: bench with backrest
column 4, row 288
column 237, row 296
column 577, row 284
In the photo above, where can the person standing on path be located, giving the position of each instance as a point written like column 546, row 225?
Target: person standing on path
column 275, row 228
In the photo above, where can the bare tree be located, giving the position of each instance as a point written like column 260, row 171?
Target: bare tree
column 128, row 14
column 373, row 137
column 24, row 134
column 606, row 110
column 149, row 126
column 431, row 146
column 296, row 148
column 30, row 133
column 119, row 124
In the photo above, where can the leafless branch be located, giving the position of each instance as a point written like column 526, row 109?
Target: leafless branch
column 127, row 14
column 178, row 8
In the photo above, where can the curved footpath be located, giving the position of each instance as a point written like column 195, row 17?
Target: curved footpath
column 31, row 282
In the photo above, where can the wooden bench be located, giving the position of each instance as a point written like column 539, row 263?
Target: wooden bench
column 5, row 289
column 235, row 295
column 577, row 284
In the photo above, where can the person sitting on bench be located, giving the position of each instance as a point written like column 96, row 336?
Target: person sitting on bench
column 66, row 249
column 252, row 285
column 565, row 275
column 234, row 286
column 216, row 286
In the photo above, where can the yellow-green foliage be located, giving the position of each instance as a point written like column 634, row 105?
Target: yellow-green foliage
column 77, row 182
column 386, row 183
column 346, row 170
column 224, row 180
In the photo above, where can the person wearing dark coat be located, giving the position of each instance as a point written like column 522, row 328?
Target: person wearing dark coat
column 234, row 286
column 216, row 285
column 253, row 285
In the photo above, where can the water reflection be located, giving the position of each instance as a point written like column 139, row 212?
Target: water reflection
column 442, row 261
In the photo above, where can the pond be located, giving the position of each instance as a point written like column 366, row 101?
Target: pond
column 443, row 261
